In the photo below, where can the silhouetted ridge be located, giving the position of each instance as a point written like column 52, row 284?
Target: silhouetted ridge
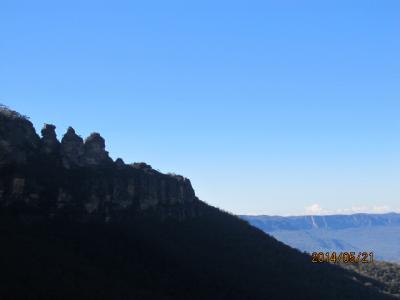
column 76, row 225
column 77, row 179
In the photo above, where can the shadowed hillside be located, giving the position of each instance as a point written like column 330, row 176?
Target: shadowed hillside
column 76, row 225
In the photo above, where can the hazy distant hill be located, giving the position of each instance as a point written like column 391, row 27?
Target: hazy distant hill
column 379, row 233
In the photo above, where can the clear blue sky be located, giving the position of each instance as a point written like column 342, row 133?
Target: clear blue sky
column 267, row 106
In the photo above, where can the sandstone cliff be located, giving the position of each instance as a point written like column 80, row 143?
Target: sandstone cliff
column 76, row 178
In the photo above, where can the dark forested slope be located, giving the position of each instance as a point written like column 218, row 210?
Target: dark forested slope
column 385, row 272
column 76, row 225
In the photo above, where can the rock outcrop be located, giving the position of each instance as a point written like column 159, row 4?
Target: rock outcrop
column 95, row 150
column 72, row 149
column 77, row 179
column 49, row 142
column 18, row 139
column 119, row 163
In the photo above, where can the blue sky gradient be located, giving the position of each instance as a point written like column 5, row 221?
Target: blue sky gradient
column 269, row 107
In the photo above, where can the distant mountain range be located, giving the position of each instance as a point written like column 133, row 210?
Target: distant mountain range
column 379, row 233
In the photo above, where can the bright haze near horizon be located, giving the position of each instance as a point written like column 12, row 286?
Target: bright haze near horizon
column 269, row 107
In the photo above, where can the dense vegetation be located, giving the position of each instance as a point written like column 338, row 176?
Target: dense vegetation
column 385, row 272
column 215, row 256
column 9, row 113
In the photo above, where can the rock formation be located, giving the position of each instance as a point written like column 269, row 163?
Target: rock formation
column 72, row 149
column 77, row 179
column 18, row 139
column 119, row 163
column 95, row 152
column 49, row 142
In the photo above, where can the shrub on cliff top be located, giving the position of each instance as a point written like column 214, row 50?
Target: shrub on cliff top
column 5, row 111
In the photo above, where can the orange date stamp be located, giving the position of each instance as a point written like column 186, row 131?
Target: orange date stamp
column 343, row 257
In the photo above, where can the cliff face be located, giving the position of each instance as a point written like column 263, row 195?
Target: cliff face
column 18, row 139
column 76, row 179
column 213, row 255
